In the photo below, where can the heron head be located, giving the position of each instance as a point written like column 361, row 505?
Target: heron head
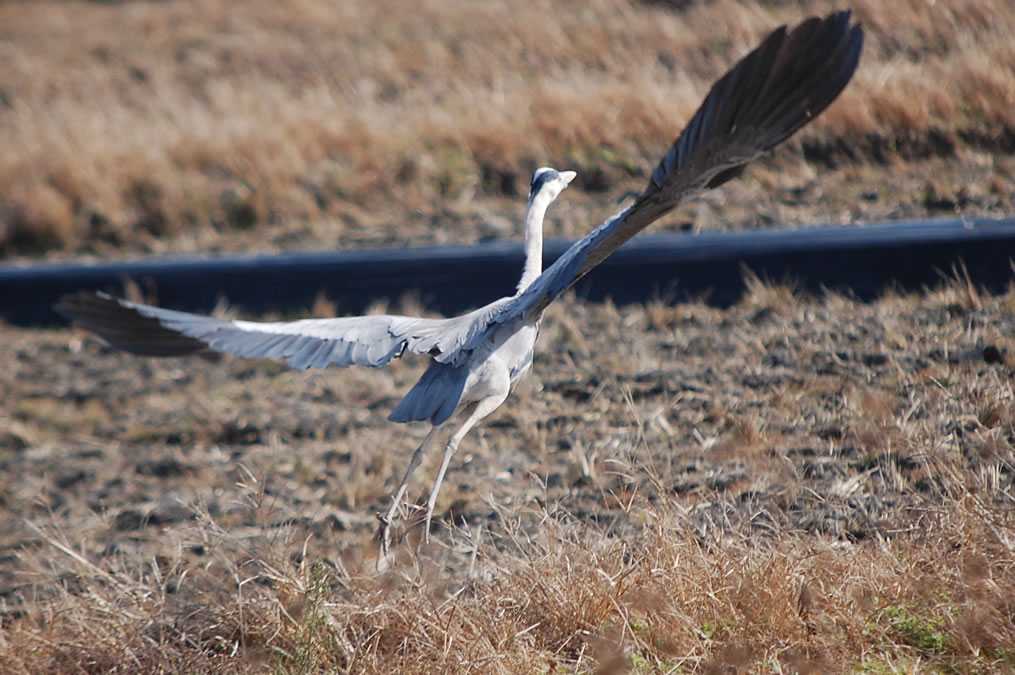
column 547, row 183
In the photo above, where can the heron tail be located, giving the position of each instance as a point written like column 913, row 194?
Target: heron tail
column 435, row 397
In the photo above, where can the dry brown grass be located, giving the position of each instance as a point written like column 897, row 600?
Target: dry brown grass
column 569, row 597
column 196, row 125
column 791, row 485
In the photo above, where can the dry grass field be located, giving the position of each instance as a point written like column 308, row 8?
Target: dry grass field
column 793, row 484
column 183, row 126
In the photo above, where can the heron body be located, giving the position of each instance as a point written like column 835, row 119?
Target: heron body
column 476, row 358
column 505, row 353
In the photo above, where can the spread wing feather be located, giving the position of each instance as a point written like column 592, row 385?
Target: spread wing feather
column 770, row 94
column 308, row 343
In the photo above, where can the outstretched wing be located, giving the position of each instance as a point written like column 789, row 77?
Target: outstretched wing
column 771, row 93
column 309, row 343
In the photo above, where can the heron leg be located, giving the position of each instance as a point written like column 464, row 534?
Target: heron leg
column 481, row 409
column 384, row 532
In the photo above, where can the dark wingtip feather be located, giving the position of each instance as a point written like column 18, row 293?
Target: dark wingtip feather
column 772, row 92
column 123, row 327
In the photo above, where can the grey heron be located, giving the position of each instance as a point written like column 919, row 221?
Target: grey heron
column 476, row 358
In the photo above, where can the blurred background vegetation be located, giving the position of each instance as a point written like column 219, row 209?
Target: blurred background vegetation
column 133, row 127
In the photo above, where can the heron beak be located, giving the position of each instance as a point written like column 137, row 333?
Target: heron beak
column 567, row 176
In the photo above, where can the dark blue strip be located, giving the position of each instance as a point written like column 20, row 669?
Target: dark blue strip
column 451, row 279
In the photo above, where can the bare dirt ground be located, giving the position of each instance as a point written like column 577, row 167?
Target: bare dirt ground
column 180, row 492
column 794, row 484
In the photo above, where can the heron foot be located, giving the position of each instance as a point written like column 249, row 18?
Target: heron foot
column 426, row 525
column 383, row 539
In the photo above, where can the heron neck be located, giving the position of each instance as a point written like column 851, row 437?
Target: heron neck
column 533, row 242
